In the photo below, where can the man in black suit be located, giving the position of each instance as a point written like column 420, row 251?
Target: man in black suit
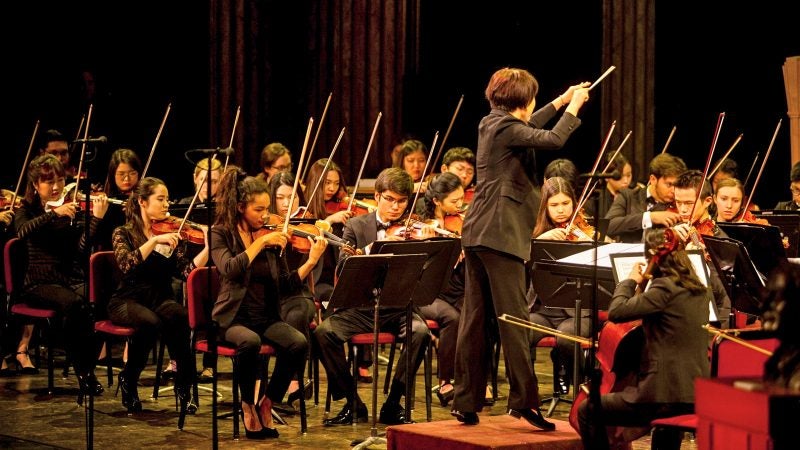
column 393, row 188
column 638, row 209
column 496, row 237
column 794, row 186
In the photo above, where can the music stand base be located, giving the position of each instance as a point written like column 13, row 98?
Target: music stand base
column 554, row 402
column 372, row 440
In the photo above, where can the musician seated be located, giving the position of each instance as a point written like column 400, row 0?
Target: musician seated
column 794, row 186
column 695, row 223
column 393, row 188
column 555, row 212
column 460, row 161
column 728, row 199
column 638, row 209
column 675, row 350
column 275, row 158
column 412, row 158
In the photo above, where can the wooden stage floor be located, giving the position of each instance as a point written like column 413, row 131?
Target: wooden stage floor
column 33, row 420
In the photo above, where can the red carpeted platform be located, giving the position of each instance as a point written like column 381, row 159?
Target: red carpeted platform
column 494, row 432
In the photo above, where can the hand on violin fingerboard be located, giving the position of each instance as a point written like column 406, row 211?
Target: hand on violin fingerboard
column 7, row 217
column 556, row 234
column 666, row 218
column 99, row 206
column 318, row 247
column 339, row 217
column 170, row 239
column 682, row 230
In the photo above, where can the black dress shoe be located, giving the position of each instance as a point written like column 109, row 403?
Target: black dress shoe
column 534, row 418
column 392, row 414
column 345, row 416
column 467, row 418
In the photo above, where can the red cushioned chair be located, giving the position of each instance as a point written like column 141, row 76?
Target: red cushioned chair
column 15, row 259
column 104, row 276
column 198, row 296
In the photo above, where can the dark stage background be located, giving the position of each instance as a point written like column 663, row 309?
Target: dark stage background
column 147, row 54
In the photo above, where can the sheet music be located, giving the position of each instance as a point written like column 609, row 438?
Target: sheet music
column 586, row 257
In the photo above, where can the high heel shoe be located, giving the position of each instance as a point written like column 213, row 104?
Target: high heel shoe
column 264, row 411
column 447, row 397
column 130, row 394
column 255, row 434
column 184, row 395
column 22, row 368
column 306, row 392
column 88, row 384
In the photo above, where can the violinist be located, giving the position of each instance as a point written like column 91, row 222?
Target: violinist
column 144, row 299
column 54, row 279
column 275, row 158
column 460, row 161
column 55, row 143
column 623, row 176
column 443, row 197
column 393, row 188
column 496, row 237
column 639, row 208
column 695, row 223
column 728, row 198
column 255, row 277
column 297, row 310
column 675, row 351
column 558, row 200
column 123, row 176
column 794, row 187
column 411, row 158
column 200, row 176
column 329, row 203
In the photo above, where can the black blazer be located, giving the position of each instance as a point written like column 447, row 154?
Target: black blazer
column 502, row 214
column 676, row 346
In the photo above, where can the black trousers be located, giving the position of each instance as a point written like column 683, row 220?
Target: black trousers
column 564, row 352
column 170, row 320
column 291, row 346
column 495, row 285
column 614, row 410
column 447, row 316
column 80, row 342
column 334, row 331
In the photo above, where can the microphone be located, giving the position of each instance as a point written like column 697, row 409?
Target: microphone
column 210, row 151
column 600, row 175
column 91, row 140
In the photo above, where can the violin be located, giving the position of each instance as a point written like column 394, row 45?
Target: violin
column 748, row 217
column 454, row 222
column 469, row 193
column 190, row 231
column 416, row 229
column 300, row 232
column 580, row 230
column 5, row 200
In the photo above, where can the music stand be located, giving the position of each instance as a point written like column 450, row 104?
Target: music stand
column 442, row 255
column 738, row 273
column 380, row 281
column 764, row 241
column 789, row 224
column 561, row 285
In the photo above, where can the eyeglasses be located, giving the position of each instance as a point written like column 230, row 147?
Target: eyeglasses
column 392, row 200
column 283, row 168
column 127, row 175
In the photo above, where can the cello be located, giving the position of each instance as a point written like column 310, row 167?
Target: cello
column 617, row 342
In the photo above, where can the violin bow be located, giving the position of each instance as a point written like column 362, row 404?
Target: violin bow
column 669, row 139
column 419, row 188
column 233, row 135
column 750, row 172
column 760, row 170
column 296, row 178
column 446, row 135
column 83, row 152
column 725, row 156
column 316, row 135
column 325, row 169
column 364, row 161
column 155, row 142
column 25, row 164
column 594, row 168
column 605, row 169
column 720, row 119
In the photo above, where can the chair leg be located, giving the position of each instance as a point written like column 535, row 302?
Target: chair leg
column 159, row 368
column 354, row 368
column 236, row 401
column 428, row 375
column 315, row 362
column 50, row 360
column 109, row 371
column 303, row 419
